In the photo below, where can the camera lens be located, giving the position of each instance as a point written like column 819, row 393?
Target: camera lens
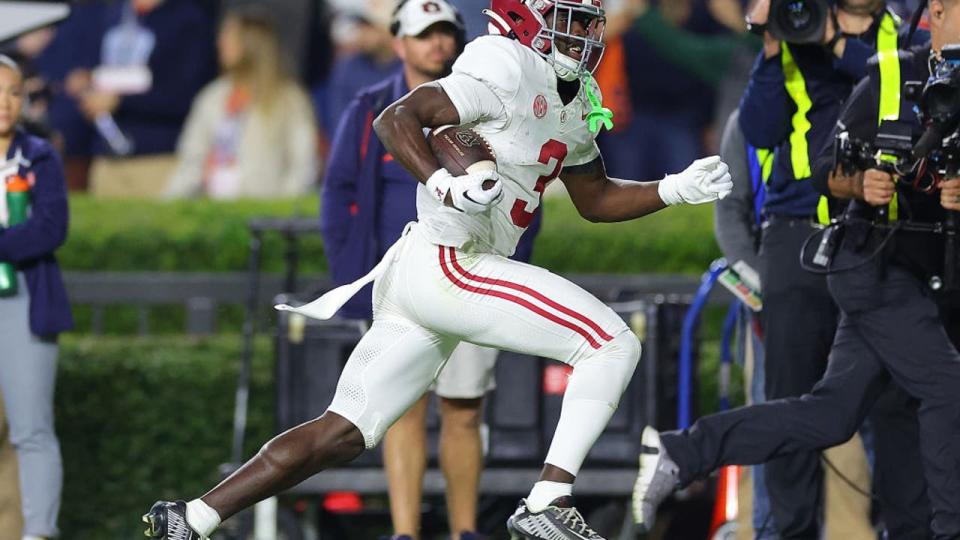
column 798, row 16
column 798, row 21
column 942, row 101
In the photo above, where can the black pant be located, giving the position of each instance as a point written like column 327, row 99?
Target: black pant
column 898, row 479
column 890, row 331
column 799, row 321
column 800, row 318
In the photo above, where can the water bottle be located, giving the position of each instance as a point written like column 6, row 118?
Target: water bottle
column 18, row 203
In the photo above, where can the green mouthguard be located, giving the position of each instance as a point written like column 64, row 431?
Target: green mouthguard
column 598, row 114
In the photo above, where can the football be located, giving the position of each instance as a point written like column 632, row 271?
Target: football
column 462, row 150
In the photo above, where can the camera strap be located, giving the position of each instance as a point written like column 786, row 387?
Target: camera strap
column 915, row 21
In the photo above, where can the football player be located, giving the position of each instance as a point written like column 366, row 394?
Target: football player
column 528, row 90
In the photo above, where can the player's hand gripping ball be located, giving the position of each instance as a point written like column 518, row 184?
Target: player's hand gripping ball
column 468, row 179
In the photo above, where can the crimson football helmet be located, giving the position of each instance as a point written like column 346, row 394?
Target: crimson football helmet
column 526, row 21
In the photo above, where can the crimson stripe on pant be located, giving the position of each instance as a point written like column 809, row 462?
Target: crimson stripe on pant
column 521, row 288
column 520, row 301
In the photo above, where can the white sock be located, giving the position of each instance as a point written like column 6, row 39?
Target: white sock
column 545, row 492
column 201, row 518
column 32, row 537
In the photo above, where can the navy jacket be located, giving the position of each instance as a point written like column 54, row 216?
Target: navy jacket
column 351, row 75
column 31, row 244
column 73, row 45
column 368, row 197
column 182, row 62
column 766, row 112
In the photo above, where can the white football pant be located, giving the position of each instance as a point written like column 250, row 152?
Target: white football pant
column 432, row 298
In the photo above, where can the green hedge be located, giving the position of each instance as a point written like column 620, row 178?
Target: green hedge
column 211, row 236
column 147, row 418
column 140, row 419
column 144, row 419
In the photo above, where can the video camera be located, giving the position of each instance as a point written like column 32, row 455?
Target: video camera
column 940, row 114
column 923, row 162
column 940, row 145
column 796, row 21
column 892, row 151
column 926, row 160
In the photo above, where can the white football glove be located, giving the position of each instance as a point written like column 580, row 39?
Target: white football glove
column 706, row 180
column 466, row 191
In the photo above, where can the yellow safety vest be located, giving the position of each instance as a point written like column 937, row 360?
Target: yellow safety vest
column 765, row 159
column 889, row 61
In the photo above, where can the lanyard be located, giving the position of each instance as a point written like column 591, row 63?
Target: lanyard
column 129, row 43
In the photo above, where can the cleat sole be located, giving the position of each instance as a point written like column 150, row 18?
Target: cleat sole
column 151, row 524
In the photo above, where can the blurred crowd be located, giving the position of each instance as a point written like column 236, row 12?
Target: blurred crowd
column 227, row 99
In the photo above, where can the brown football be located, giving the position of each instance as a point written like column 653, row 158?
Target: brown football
column 462, row 150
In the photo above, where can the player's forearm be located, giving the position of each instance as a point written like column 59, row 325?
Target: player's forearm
column 623, row 200
column 401, row 127
column 401, row 132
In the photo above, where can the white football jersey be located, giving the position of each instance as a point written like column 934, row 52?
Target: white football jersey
column 508, row 94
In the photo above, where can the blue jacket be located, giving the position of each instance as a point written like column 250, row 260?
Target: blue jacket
column 182, row 62
column 31, row 244
column 73, row 45
column 766, row 112
column 368, row 197
column 350, row 75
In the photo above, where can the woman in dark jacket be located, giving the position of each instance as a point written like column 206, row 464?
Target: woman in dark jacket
column 33, row 315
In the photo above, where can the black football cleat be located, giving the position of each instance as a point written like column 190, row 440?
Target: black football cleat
column 168, row 521
column 559, row 521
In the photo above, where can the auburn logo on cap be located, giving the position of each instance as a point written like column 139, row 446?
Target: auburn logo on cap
column 431, row 7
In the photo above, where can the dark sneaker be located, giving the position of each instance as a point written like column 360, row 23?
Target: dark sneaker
column 657, row 479
column 470, row 535
column 168, row 521
column 559, row 521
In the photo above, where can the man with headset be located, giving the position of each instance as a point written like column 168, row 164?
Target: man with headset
column 368, row 198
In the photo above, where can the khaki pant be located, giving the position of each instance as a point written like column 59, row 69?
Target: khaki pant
column 847, row 512
column 140, row 177
column 11, row 517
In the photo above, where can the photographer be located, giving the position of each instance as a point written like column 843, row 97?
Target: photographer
column 912, row 260
column 791, row 104
column 890, row 330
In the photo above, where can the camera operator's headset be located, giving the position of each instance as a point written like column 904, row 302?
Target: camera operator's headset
column 460, row 26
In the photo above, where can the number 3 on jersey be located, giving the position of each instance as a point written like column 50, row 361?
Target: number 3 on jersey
column 553, row 149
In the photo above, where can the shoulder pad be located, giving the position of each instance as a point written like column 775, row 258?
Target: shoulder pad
column 494, row 60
